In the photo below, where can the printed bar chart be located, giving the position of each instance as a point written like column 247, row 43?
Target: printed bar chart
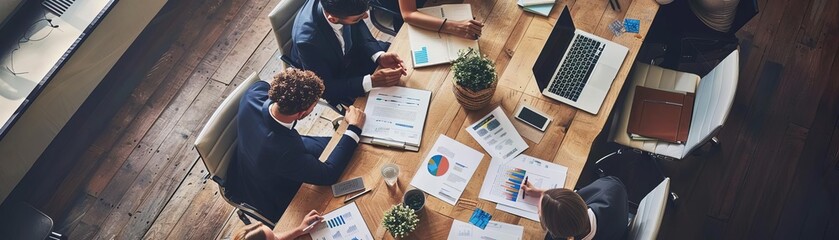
column 335, row 222
column 515, row 178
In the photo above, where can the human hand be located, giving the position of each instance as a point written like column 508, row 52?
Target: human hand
column 354, row 116
column 312, row 217
column 469, row 29
column 391, row 60
column 386, row 77
column 530, row 190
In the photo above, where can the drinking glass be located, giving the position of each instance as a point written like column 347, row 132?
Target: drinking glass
column 390, row 172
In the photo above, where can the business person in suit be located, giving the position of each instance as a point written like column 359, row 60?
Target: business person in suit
column 596, row 211
column 272, row 160
column 330, row 39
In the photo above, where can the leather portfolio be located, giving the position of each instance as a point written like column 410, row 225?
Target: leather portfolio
column 660, row 114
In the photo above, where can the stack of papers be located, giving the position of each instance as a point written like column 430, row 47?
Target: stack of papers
column 395, row 117
column 494, row 231
column 541, row 7
column 504, row 179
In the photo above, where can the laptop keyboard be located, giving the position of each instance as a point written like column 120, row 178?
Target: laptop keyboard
column 574, row 72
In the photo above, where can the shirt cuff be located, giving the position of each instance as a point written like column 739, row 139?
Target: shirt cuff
column 353, row 132
column 367, row 83
column 376, row 55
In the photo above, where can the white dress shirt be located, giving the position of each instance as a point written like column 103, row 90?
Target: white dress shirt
column 593, row 221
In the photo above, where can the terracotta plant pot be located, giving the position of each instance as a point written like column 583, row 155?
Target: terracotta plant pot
column 472, row 100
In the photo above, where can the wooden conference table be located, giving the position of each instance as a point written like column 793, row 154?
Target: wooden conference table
column 513, row 39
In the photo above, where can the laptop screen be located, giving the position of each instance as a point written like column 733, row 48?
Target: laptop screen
column 554, row 48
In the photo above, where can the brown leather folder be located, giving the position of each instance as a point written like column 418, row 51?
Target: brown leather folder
column 660, row 114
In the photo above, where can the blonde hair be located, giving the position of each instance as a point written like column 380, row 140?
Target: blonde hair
column 250, row 232
column 564, row 214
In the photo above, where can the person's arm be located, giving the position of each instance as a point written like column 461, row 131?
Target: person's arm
column 308, row 168
column 470, row 29
column 300, row 230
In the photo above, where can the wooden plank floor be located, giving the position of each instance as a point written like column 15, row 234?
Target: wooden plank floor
column 776, row 176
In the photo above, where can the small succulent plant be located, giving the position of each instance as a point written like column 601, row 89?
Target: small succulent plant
column 400, row 221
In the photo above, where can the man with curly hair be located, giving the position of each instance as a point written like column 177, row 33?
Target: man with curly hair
column 272, row 160
column 330, row 38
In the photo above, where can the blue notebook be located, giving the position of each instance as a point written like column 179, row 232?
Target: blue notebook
column 541, row 9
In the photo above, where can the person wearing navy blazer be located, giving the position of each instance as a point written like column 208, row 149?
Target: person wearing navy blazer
column 272, row 159
column 596, row 211
column 330, row 39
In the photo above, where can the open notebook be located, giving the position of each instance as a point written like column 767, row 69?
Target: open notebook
column 432, row 48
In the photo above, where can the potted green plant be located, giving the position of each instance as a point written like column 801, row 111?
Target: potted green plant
column 400, row 221
column 474, row 79
column 414, row 199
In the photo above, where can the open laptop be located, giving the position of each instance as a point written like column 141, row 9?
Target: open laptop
column 576, row 67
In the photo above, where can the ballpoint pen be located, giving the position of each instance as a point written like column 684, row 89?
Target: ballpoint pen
column 524, row 193
column 358, row 195
column 312, row 225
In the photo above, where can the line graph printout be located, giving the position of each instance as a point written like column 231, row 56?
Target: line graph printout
column 504, row 179
column 345, row 223
column 446, row 169
column 497, row 135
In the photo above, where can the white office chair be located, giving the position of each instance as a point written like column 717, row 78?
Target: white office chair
column 714, row 98
column 282, row 20
column 647, row 220
column 216, row 145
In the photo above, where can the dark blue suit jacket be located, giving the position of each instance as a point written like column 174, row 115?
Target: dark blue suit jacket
column 271, row 161
column 316, row 48
column 607, row 199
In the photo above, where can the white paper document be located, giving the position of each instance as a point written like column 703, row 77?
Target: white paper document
column 431, row 47
column 504, row 179
column 395, row 117
column 497, row 135
column 343, row 223
column 494, row 231
column 446, row 170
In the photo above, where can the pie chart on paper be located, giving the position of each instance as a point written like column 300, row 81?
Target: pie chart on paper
column 438, row 165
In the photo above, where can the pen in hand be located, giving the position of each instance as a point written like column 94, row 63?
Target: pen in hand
column 313, row 224
column 524, row 192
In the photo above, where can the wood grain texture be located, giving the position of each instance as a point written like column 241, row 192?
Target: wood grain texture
column 775, row 176
column 514, row 38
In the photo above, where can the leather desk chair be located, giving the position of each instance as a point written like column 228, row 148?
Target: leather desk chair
column 282, row 20
column 216, row 144
column 647, row 221
column 714, row 98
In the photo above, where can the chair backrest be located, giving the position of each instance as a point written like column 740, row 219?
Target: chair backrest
column 647, row 221
column 282, row 20
column 746, row 10
column 216, row 143
column 714, row 98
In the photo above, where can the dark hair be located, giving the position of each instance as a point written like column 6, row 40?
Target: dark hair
column 345, row 8
column 564, row 214
column 295, row 90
